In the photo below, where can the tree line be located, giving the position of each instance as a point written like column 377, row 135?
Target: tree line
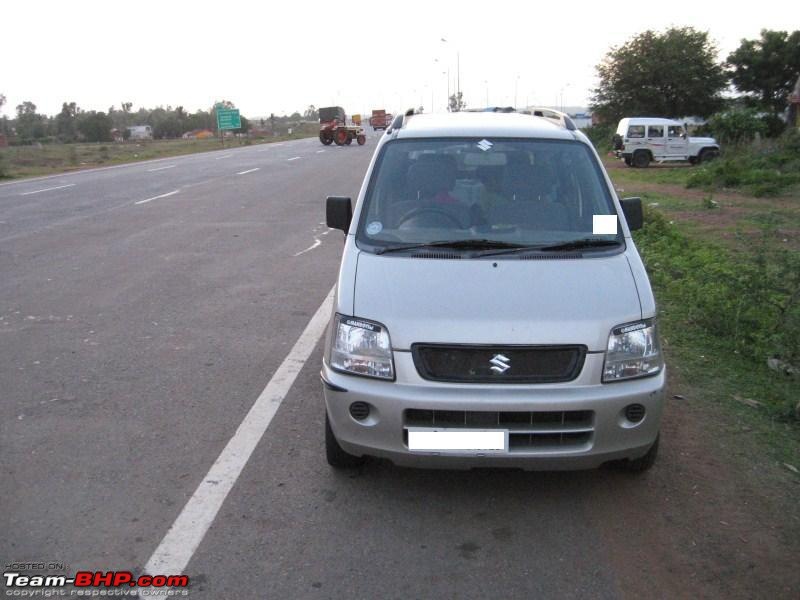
column 73, row 124
column 676, row 74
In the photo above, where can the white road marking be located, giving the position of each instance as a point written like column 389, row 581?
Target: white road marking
column 316, row 243
column 189, row 529
column 320, row 151
column 58, row 187
column 161, row 168
column 172, row 193
column 223, row 156
column 248, row 171
column 294, row 158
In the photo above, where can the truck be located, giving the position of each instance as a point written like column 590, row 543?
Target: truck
column 642, row 140
column 380, row 119
column 333, row 128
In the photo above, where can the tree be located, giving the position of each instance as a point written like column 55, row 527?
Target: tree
column 30, row 124
column 671, row 74
column 95, row 126
column 311, row 113
column 456, row 103
column 2, row 100
column 66, row 122
column 766, row 69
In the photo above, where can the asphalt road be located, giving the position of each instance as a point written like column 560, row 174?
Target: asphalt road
column 144, row 308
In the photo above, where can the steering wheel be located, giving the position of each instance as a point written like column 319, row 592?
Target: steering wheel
column 433, row 211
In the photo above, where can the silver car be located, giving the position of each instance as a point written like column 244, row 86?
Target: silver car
column 491, row 306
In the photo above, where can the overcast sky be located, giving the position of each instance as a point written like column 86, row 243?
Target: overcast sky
column 273, row 56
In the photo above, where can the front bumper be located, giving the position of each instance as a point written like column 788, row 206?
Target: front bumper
column 381, row 435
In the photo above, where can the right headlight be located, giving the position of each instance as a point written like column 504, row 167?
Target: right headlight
column 633, row 351
column 361, row 347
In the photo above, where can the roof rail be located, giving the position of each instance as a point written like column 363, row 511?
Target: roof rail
column 400, row 120
column 559, row 118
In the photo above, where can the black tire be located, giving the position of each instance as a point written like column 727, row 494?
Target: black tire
column 361, row 139
column 338, row 458
column 641, row 159
column 643, row 463
column 340, row 138
column 327, row 140
column 349, row 140
column 707, row 154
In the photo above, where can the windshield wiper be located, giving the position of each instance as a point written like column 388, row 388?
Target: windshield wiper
column 579, row 244
column 470, row 244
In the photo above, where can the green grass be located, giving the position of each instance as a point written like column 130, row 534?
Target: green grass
column 723, row 311
column 30, row 161
column 678, row 174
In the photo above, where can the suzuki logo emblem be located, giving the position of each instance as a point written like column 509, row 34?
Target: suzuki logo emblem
column 501, row 363
column 484, row 145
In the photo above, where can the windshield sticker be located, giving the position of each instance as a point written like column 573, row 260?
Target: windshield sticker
column 374, row 228
column 485, row 145
column 604, row 224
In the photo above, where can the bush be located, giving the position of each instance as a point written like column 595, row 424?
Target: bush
column 765, row 171
column 600, row 136
column 737, row 126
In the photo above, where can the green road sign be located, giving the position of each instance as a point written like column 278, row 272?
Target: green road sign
column 228, row 118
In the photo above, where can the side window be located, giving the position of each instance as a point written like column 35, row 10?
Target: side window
column 636, row 131
column 655, row 131
column 674, row 131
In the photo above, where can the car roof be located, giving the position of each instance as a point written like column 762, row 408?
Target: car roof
column 482, row 124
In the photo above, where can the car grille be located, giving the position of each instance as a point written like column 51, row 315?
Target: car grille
column 487, row 364
column 527, row 430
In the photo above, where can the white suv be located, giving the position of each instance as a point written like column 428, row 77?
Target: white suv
column 641, row 140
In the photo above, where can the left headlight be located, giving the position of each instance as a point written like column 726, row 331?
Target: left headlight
column 361, row 347
column 633, row 351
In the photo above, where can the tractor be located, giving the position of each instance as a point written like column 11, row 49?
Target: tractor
column 333, row 128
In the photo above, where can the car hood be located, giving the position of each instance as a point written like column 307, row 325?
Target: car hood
column 479, row 301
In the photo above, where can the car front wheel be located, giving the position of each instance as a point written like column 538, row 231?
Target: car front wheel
column 643, row 463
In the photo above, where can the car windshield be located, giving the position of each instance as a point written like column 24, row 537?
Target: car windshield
column 501, row 194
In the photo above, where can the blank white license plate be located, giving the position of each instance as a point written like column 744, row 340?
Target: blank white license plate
column 458, row 439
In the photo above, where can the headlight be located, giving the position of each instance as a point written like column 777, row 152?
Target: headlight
column 361, row 347
column 633, row 351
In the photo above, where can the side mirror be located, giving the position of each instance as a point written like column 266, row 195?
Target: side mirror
column 632, row 209
column 339, row 212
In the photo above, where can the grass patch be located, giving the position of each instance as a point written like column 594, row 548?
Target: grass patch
column 48, row 159
column 722, row 314
column 767, row 170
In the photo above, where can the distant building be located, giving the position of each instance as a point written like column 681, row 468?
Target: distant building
column 140, row 132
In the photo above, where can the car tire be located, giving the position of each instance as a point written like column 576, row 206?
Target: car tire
column 707, row 154
column 643, row 463
column 361, row 139
column 641, row 159
column 336, row 456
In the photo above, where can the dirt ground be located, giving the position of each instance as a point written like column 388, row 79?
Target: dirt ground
column 717, row 519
